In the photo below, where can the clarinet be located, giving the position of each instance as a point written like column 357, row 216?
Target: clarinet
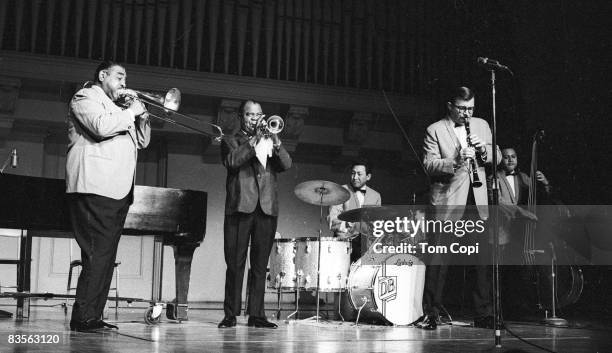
column 475, row 179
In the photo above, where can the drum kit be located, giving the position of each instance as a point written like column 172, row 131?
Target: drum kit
column 390, row 288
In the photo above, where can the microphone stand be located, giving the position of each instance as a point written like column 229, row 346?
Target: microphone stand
column 494, row 221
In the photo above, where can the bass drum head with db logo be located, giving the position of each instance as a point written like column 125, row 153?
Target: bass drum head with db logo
column 392, row 288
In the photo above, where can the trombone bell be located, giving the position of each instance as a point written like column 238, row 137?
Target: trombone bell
column 172, row 99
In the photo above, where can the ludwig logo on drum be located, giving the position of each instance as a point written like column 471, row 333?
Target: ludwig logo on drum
column 401, row 262
column 387, row 287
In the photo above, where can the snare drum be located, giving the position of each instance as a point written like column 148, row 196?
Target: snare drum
column 282, row 264
column 392, row 289
column 335, row 263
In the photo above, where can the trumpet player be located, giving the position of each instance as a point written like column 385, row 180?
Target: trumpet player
column 253, row 157
column 100, row 169
column 452, row 158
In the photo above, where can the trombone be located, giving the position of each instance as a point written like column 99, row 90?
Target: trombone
column 169, row 103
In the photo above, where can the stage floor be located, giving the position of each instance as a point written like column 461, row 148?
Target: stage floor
column 201, row 334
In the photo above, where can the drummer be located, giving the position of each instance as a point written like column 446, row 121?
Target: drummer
column 360, row 195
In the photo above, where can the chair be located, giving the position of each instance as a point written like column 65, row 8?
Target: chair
column 79, row 263
column 6, row 314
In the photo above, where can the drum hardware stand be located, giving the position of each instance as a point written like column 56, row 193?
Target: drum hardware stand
column 313, row 192
column 340, row 297
column 321, row 191
column 365, row 301
column 279, row 280
column 554, row 320
column 297, row 295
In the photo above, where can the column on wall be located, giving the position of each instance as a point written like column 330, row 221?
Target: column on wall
column 294, row 126
column 9, row 91
column 355, row 134
column 227, row 116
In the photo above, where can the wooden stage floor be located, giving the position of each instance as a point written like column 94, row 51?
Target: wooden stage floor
column 201, row 334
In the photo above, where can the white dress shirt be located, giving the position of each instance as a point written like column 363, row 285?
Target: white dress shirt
column 510, row 178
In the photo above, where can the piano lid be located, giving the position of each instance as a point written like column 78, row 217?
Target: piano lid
column 40, row 204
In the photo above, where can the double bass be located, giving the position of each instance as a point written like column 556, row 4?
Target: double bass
column 555, row 286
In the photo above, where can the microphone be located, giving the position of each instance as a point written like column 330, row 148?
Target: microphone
column 14, row 158
column 492, row 64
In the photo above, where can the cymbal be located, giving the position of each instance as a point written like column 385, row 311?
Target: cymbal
column 321, row 193
column 368, row 214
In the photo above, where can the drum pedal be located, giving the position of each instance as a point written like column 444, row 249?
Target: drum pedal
column 365, row 302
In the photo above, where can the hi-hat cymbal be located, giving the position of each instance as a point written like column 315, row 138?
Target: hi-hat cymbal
column 368, row 214
column 321, row 193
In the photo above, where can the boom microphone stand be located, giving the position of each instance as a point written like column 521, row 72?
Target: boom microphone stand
column 493, row 65
column 494, row 221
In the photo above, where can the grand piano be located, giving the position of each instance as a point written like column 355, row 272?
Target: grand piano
column 175, row 217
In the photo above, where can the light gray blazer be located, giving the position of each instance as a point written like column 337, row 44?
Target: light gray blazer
column 104, row 140
column 372, row 198
column 450, row 187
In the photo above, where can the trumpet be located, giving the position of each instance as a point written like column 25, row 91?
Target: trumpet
column 474, row 168
column 270, row 126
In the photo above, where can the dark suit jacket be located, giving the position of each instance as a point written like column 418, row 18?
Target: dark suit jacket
column 509, row 225
column 248, row 182
column 521, row 187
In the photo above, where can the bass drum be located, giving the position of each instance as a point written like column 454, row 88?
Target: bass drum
column 391, row 289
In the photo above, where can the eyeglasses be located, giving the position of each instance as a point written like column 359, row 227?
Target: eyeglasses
column 250, row 115
column 463, row 109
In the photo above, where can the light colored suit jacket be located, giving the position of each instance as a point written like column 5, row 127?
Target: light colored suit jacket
column 372, row 198
column 450, row 186
column 104, row 140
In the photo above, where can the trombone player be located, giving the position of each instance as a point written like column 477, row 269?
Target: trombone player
column 104, row 139
column 253, row 157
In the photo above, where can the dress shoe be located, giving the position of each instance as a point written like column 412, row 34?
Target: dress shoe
column 107, row 325
column 255, row 321
column 487, row 322
column 228, row 321
column 426, row 322
column 90, row 325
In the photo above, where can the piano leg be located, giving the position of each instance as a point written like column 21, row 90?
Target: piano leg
column 183, row 255
column 23, row 274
